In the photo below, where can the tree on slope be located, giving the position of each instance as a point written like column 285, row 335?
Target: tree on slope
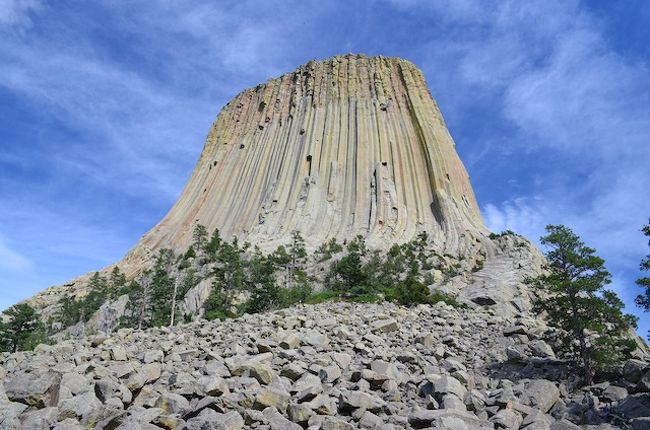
column 23, row 330
column 643, row 300
column 97, row 296
column 590, row 318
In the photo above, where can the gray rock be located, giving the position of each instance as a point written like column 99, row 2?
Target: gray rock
column 539, row 348
column 633, row 370
column 272, row 397
column 84, row 406
column 540, row 393
column 635, row 406
column 385, row 326
column 277, row 422
column 449, row 385
column 564, row 425
column 351, row 400
column 299, row 413
column 75, row 383
column 172, row 403
column 291, row 341
column 507, row 419
column 118, row 353
column 39, row 388
column 613, row 394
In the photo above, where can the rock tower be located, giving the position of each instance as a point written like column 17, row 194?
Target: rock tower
column 348, row 146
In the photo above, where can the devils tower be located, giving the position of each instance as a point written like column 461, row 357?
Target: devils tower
column 353, row 145
column 438, row 332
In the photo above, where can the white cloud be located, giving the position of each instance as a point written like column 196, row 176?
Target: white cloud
column 15, row 13
column 520, row 215
column 11, row 259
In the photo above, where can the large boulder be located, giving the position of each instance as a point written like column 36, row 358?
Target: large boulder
column 540, row 393
column 38, row 388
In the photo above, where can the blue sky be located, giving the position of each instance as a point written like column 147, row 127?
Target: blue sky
column 104, row 107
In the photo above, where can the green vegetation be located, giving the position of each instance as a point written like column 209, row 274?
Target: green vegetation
column 643, row 300
column 249, row 281
column 503, row 233
column 23, row 330
column 100, row 290
column 327, row 250
column 574, row 297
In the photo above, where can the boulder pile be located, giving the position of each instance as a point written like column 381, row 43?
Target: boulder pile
column 329, row 366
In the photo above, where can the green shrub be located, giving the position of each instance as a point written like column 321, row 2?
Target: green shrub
column 367, row 298
column 323, row 296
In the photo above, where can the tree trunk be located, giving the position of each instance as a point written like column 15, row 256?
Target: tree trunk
column 145, row 298
column 173, row 312
column 586, row 360
column 580, row 334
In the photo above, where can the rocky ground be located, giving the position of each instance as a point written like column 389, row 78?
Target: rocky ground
column 329, row 366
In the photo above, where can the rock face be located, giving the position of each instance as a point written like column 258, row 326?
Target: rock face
column 317, row 367
column 347, row 146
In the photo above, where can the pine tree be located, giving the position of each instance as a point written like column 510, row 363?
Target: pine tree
column 23, row 330
column 229, row 277
column 265, row 293
column 162, row 289
column 643, row 300
column 590, row 318
column 69, row 312
column 200, row 238
column 116, row 282
column 97, row 296
column 213, row 246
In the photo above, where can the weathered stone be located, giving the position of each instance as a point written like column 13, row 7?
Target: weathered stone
column 153, row 356
column 274, row 397
column 350, row 400
column 540, row 393
column 633, row 370
column 81, row 406
column 118, row 353
column 290, row 342
column 277, row 422
column 299, row 413
column 507, row 419
column 39, row 388
column 635, row 406
column 213, row 386
column 385, row 326
column 172, row 403
column 449, row 385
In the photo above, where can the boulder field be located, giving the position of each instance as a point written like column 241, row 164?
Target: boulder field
column 331, row 366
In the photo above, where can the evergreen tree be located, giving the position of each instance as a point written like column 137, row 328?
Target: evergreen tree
column 136, row 305
column 213, row 246
column 97, row 296
column 265, row 293
column 229, row 277
column 643, row 300
column 69, row 312
column 200, row 237
column 349, row 273
column 590, row 318
column 23, row 330
column 327, row 250
column 116, row 282
column 162, row 289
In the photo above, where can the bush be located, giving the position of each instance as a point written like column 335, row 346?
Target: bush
column 410, row 291
column 323, row 296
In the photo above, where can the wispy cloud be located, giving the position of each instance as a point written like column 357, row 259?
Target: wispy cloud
column 11, row 259
column 15, row 13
